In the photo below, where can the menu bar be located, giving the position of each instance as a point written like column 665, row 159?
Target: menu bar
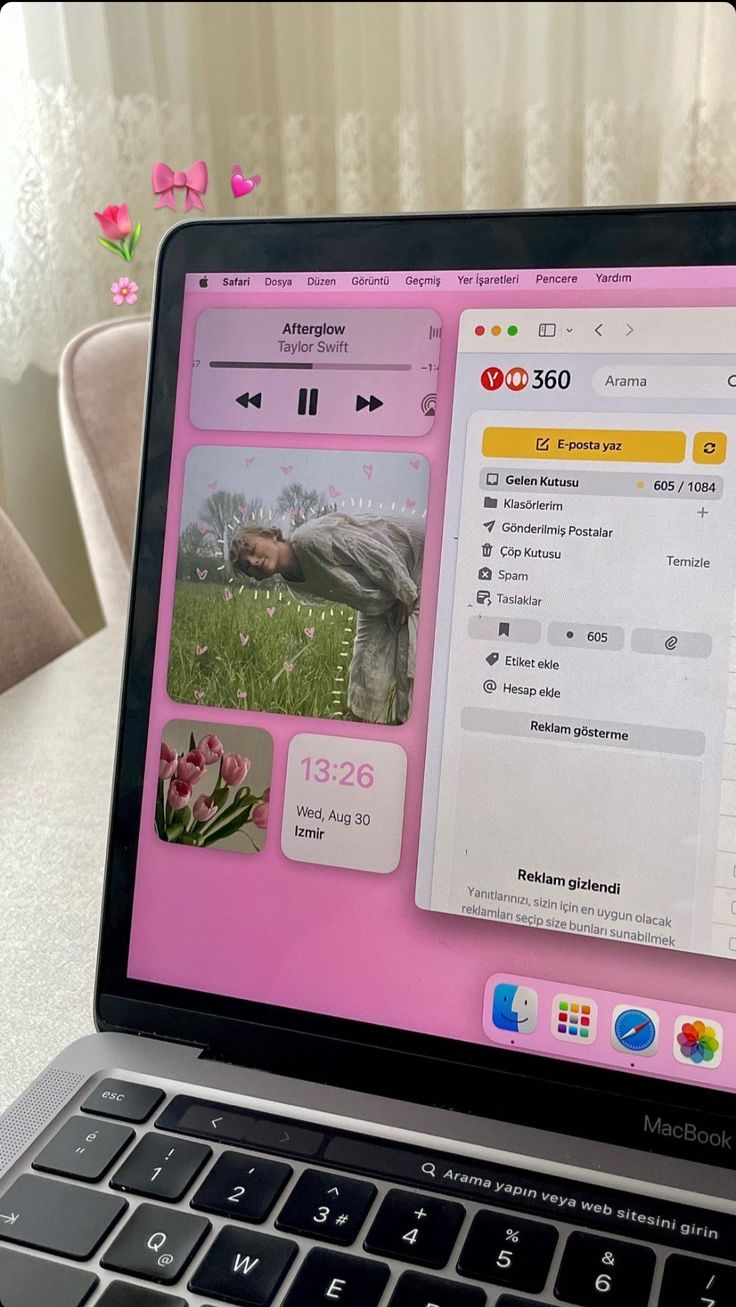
column 472, row 281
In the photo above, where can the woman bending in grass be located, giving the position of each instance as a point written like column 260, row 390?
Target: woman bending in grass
column 372, row 564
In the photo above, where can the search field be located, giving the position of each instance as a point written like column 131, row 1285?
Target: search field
column 680, row 381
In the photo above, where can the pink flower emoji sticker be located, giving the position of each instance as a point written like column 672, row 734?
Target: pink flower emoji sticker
column 124, row 291
column 234, row 768
column 119, row 236
column 211, row 748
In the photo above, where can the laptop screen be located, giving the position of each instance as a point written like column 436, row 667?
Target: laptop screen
column 443, row 723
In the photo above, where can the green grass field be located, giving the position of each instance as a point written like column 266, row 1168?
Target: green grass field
column 243, row 647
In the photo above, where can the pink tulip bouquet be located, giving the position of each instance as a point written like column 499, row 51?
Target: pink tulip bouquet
column 204, row 819
column 118, row 233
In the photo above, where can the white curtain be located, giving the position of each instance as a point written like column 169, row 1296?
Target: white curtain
column 345, row 107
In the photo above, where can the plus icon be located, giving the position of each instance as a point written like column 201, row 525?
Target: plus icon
column 702, row 512
column 420, row 1213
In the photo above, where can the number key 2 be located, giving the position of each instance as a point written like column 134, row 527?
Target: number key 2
column 505, row 1250
column 596, row 1270
column 326, row 1206
column 414, row 1228
column 242, row 1186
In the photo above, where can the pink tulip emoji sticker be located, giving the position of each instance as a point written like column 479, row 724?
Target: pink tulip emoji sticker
column 241, row 185
column 119, row 236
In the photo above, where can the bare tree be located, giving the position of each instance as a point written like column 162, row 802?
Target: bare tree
column 301, row 504
column 223, row 512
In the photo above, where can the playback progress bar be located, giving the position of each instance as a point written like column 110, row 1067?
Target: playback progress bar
column 317, row 367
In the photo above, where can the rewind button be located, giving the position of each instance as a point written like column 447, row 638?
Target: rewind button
column 247, row 400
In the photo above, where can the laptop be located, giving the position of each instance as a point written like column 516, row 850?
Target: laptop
column 417, row 968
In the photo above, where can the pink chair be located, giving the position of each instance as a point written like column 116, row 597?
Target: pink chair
column 101, row 395
column 36, row 626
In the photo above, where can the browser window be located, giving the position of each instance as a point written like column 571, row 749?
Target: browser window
column 442, row 729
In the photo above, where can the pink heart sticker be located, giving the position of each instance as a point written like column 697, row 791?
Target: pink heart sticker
column 244, row 638
column 241, row 185
column 241, row 694
column 288, row 667
column 286, row 470
column 228, row 594
column 201, row 649
column 334, row 492
column 199, row 696
column 414, row 462
column 368, row 470
column 309, row 632
column 203, row 530
column 410, row 503
column 242, row 509
column 212, row 485
column 202, row 573
column 270, row 611
column 248, row 462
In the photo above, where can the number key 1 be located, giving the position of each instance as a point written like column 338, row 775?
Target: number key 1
column 596, row 1270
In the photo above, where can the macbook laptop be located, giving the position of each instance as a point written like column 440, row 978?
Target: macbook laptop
column 417, row 970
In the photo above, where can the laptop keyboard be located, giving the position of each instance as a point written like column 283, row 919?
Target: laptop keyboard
column 212, row 1203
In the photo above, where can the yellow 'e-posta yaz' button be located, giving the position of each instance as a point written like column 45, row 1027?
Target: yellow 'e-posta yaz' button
column 580, row 443
column 709, row 447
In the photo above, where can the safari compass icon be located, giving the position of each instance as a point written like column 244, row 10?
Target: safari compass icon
column 635, row 1030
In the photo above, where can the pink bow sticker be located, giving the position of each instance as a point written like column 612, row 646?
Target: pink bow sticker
column 165, row 181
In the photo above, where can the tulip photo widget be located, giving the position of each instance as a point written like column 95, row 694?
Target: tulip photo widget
column 298, row 584
column 214, row 786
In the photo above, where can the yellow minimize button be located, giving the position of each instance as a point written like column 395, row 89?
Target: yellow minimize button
column 585, row 444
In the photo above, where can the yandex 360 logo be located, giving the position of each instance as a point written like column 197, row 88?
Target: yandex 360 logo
column 493, row 378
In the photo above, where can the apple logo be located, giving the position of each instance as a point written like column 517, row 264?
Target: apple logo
column 203, row 283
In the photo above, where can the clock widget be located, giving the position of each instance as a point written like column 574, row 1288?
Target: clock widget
column 635, row 1030
column 344, row 802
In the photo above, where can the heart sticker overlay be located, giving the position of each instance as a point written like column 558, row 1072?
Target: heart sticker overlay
column 410, row 503
column 242, row 694
column 414, row 462
column 289, row 468
column 201, row 649
column 199, row 696
column 288, row 667
column 241, row 185
column 270, row 611
column 243, row 638
column 309, row 632
column 228, row 594
column 334, row 492
column 368, row 470
column 212, row 485
column 202, row 573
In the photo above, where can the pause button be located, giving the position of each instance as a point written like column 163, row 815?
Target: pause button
column 307, row 402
